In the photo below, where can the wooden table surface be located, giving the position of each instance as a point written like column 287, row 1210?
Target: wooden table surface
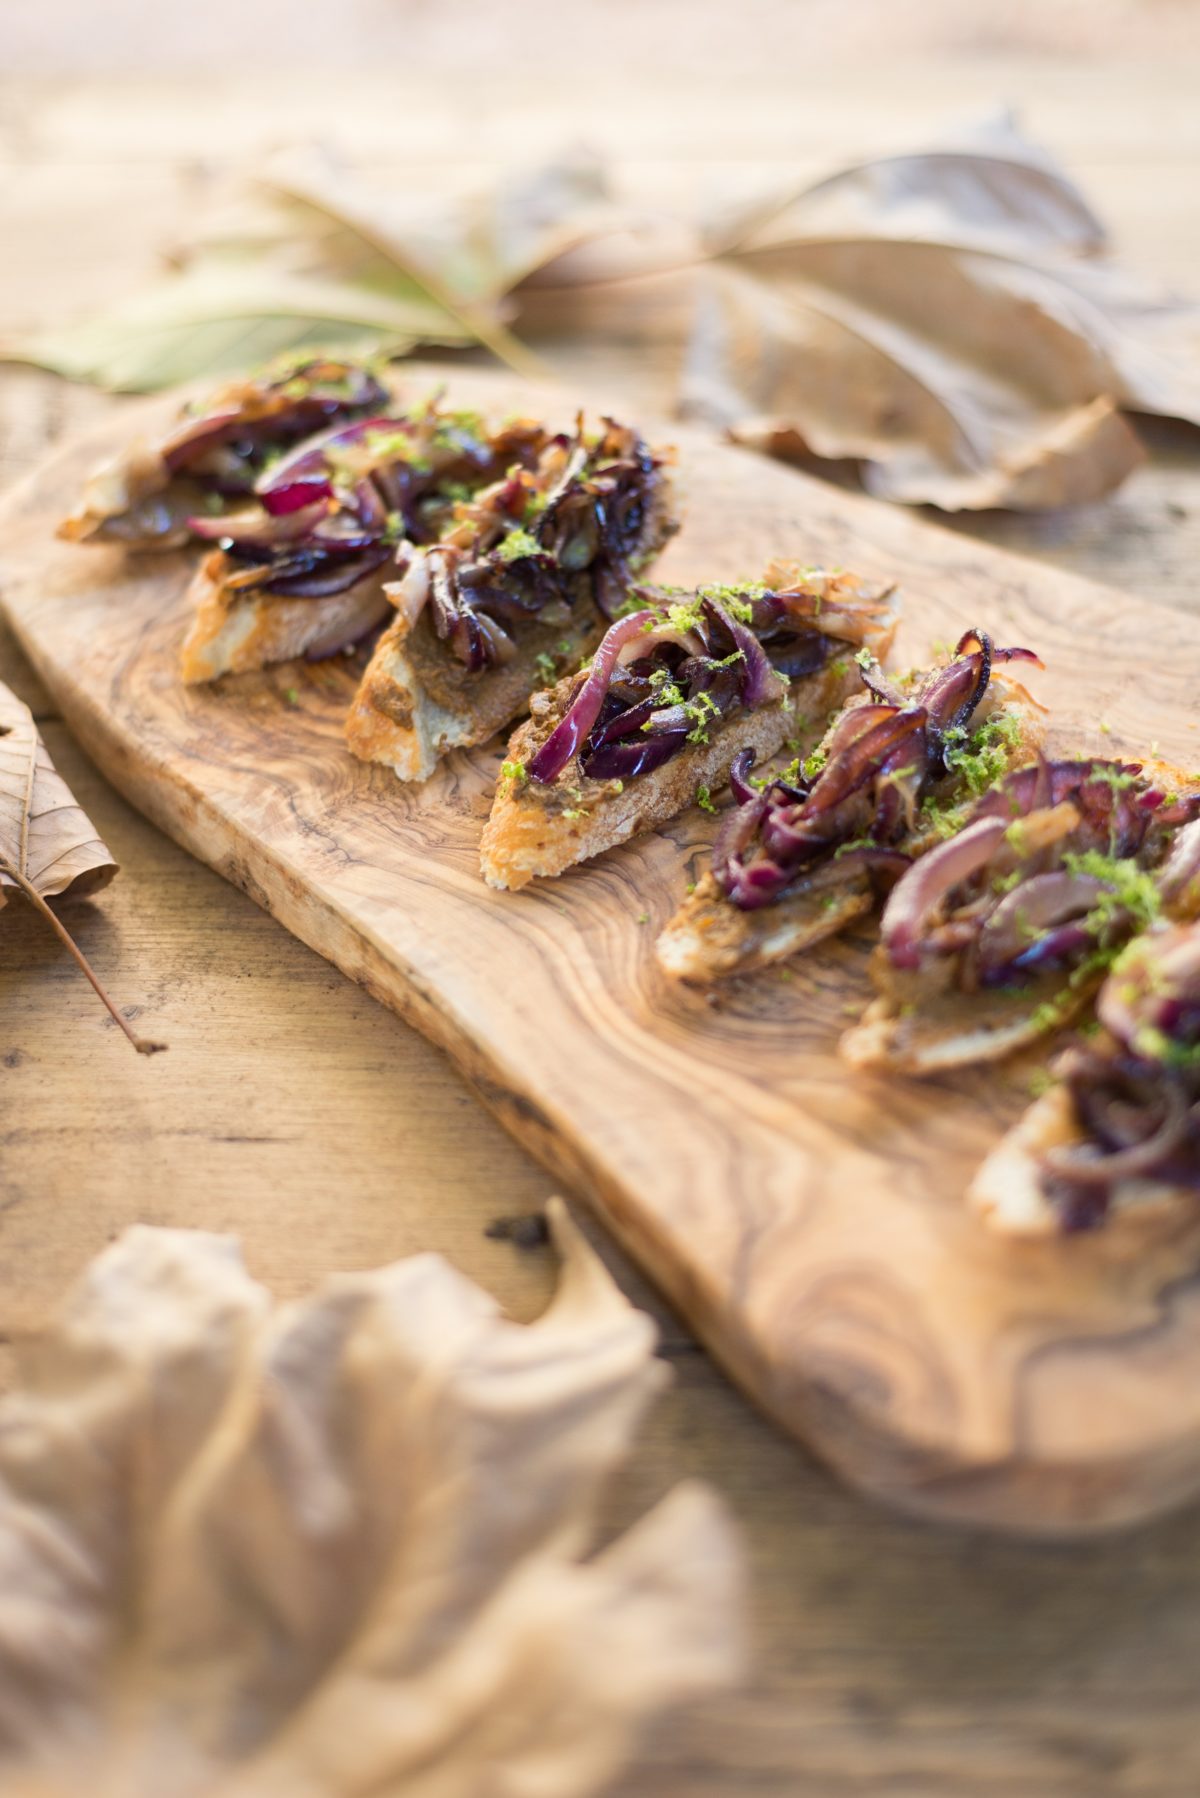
column 294, row 1111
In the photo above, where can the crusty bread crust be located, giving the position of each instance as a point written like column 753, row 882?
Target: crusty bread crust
column 397, row 718
column 1007, row 1189
column 710, row 938
column 955, row 1030
column 234, row 633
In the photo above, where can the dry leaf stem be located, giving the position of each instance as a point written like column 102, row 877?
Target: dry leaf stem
column 142, row 1044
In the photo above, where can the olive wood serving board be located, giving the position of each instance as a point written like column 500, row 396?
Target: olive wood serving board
column 809, row 1223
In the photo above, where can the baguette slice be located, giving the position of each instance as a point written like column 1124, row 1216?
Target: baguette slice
column 418, row 700
column 538, row 830
column 710, row 938
column 954, row 1030
column 1007, row 1189
column 1052, row 1174
column 236, row 631
column 931, row 1030
column 142, row 498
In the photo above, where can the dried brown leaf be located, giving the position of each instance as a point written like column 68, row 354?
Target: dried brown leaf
column 945, row 320
column 48, row 845
column 333, row 1547
column 45, row 837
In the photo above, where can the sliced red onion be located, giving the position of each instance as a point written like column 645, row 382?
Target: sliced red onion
column 739, row 777
column 1012, row 935
column 306, row 490
column 566, row 739
column 928, row 881
column 332, row 576
column 255, row 529
column 759, row 680
column 196, row 435
column 308, row 462
column 623, row 759
column 850, row 768
column 1087, row 1167
column 1155, row 985
column 1043, row 784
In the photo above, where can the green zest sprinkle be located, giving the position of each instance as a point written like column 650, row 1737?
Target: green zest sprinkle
column 664, row 689
column 864, row 658
column 980, row 758
column 517, row 544
column 643, row 917
column 514, row 771
column 702, row 710
column 1129, row 890
column 544, row 663
column 704, row 799
column 738, row 600
column 292, row 696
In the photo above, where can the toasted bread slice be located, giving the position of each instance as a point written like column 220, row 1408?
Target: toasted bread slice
column 416, row 702
column 539, row 830
column 955, row 1030
column 912, row 1029
column 710, row 937
column 1007, row 1190
column 236, row 631
column 143, row 497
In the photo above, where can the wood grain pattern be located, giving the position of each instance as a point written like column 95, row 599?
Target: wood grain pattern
column 809, row 1224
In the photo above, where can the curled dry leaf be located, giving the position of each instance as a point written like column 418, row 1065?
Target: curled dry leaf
column 46, row 839
column 48, row 845
column 333, row 1548
column 945, row 319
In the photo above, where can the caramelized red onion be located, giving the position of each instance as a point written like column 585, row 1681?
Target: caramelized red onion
column 619, row 725
column 331, row 508
column 590, row 524
column 1004, row 896
column 566, row 739
column 224, row 448
column 904, row 928
column 880, row 758
column 1134, row 1091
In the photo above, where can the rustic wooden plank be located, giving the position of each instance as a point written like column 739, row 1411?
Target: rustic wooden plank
column 809, row 1224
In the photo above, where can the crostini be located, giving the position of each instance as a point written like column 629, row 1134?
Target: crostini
column 302, row 570
column 674, row 693
column 1114, row 1141
column 144, row 498
column 806, row 854
column 1003, row 934
column 521, row 586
